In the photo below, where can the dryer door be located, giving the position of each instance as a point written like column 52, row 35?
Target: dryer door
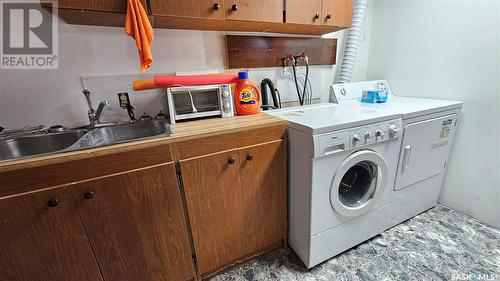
column 358, row 184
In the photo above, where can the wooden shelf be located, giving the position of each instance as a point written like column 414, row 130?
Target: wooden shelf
column 260, row 51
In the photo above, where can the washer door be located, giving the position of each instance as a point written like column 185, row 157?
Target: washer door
column 358, row 183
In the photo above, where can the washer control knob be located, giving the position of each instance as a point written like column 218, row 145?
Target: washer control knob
column 393, row 130
column 225, row 94
column 379, row 134
column 355, row 139
column 367, row 136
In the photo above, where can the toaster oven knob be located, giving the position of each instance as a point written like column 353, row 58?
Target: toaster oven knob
column 226, row 106
column 225, row 94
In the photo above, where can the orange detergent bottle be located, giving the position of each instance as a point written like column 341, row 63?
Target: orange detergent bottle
column 246, row 96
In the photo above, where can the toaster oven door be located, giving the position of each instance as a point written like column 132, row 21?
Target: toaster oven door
column 196, row 102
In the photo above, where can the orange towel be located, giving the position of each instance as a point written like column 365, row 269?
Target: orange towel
column 137, row 26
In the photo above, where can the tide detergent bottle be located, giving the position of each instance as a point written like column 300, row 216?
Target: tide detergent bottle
column 246, row 96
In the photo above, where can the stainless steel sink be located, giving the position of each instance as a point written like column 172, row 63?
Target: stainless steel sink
column 23, row 146
column 29, row 145
column 121, row 133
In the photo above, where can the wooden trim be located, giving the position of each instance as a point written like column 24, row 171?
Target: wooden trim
column 70, row 171
column 83, row 181
column 261, row 51
column 214, row 144
column 172, row 22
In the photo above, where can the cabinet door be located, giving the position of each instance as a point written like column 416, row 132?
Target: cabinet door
column 254, row 10
column 214, row 201
column 263, row 181
column 189, row 8
column 303, row 12
column 119, row 6
column 337, row 13
column 136, row 226
column 40, row 242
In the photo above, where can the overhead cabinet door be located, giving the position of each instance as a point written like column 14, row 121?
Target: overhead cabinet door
column 337, row 13
column 254, row 10
column 425, row 149
column 303, row 12
column 189, row 8
column 118, row 6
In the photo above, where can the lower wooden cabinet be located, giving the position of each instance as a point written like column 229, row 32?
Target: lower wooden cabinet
column 215, row 205
column 125, row 227
column 263, row 178
column 42, row 238
column 236, row 202
column 135, row 224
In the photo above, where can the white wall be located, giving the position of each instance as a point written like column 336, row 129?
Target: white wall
column 29, row 97
column 449, row 50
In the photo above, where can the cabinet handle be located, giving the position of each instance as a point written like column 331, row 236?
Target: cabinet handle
column 234, row 7
column 88, row 195
column 216, row 6
column 328, row 16
column 316, row 16
column 231, row 161
column 250, row 157
column 54, row 202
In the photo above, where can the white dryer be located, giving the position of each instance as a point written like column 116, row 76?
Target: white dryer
column 429, row 127
column 342, row 167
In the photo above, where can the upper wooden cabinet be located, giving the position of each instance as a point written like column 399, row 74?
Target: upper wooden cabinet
column 319, row 12
column 119, row 6
column 135, row 224
column 254, row 10
column 312, row 17
column 303, row 12
column 189, row 8
column 337, row 13
column 42, row 238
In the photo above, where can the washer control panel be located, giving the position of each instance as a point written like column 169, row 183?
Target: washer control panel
column 357, row 137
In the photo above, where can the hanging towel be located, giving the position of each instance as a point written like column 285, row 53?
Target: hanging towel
column 137, row 26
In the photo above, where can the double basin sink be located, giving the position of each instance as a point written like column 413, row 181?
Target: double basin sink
column 77, row 139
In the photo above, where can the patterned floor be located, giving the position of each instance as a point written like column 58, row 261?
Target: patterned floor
column 435, row 245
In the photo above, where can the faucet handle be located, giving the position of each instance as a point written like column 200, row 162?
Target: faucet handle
column 86, row 93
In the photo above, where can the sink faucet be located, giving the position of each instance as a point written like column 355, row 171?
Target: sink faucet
column 94, row 115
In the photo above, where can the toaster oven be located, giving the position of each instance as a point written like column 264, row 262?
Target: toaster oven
column 185, row 103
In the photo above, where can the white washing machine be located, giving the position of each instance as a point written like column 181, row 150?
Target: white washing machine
column 429, row 127
column 342, row 167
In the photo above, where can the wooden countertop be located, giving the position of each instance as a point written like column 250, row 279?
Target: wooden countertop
column 180, row 132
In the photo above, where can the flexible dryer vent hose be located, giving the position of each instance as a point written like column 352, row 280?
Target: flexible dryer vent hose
column 352, row 43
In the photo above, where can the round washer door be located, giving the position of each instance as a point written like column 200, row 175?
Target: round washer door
column 358, row 183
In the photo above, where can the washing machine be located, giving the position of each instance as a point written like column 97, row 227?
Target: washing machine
column 428, row 131
column 342, row 167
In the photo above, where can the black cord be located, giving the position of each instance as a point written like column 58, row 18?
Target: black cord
column 305, row 82
column 301, row 102
column 279, row 97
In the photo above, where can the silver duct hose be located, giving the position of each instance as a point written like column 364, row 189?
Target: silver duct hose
column 352, row 43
